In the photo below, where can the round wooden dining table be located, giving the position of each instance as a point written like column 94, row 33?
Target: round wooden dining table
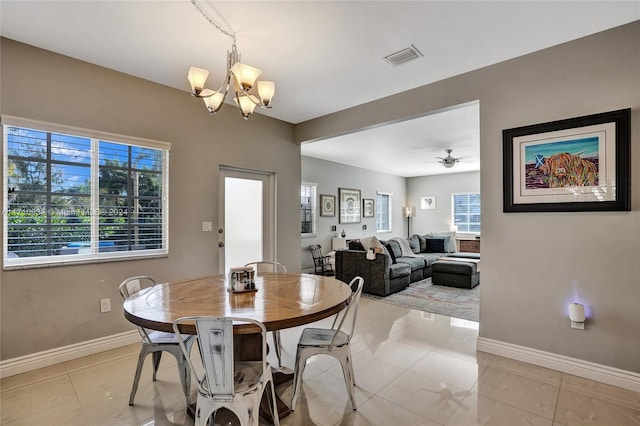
column 280, row 301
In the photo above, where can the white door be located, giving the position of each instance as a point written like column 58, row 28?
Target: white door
column 246, row 218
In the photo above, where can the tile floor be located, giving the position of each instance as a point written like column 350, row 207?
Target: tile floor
column 411, row 367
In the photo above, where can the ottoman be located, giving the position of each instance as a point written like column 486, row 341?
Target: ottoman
column 456, row 272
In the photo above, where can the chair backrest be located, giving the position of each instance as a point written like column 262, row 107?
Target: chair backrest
column 133, row 285
column 345, row 321
column 316, row 253
column 215, row 340
column 264, row 266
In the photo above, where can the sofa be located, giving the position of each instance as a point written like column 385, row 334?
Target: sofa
column 393, row 268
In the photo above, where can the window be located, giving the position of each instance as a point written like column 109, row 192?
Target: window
column 308, row 209
column 73, row 196
column 383, row 212
column 466, row 212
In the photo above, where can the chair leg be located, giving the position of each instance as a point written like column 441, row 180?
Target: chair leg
column 157, row 355
column 136, row 378
column 298, row 371
column 277, row 343
column 271, row 396
column 347, row 371
column 185, row 377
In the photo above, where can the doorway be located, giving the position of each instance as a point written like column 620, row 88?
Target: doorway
column 246, row 217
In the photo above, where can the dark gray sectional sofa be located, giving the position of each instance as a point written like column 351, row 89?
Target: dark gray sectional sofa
column 390, row 272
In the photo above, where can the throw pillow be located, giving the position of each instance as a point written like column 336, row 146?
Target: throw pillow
column 435, row 245
column 449, row 248
column 387, row 247
column 372, row 243
column 414, row 243
column 423, row 243
column 356, row 245
column 395, row 248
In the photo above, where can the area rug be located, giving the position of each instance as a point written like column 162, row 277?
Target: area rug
column 437, row 299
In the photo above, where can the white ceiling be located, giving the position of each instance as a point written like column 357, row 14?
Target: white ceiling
column 323, row 56
column 409, row 148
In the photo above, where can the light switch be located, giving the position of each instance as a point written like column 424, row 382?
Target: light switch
column 207, row 227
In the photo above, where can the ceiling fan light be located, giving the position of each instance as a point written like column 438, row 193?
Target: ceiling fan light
column 197, row 77
column 266, row 90
column 245, row 75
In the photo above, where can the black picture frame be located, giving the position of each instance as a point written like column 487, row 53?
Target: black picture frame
column 368, row 207
column 596, row 177
column 327, row 205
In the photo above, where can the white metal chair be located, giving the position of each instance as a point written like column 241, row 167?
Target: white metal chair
column 279, row 268
column 334, row 341
column 265, row 266
column 226, row 383
column 156, row 342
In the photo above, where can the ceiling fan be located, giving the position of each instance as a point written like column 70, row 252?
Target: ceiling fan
column 449, row 161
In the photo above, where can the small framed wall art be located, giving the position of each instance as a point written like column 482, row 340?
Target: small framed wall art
column 349, row 205
column 428, row 203
column 327, row 205
column 368, row 207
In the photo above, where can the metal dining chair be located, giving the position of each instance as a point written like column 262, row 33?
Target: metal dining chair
column 334, row 341
column 227, row 383
column 156, row 342
column 278, row 268
column 265, row 266
column 322, row 263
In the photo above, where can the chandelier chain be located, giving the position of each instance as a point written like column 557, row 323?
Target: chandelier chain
column 214, row 23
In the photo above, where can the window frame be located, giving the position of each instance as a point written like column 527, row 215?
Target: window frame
column 95, row 255
column 314, row 203
column 389, row 212
column 453, row 212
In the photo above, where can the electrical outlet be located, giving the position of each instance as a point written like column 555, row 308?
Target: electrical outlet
column 577, row 325
column 105, row 305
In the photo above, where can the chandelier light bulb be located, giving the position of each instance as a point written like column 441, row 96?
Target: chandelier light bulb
column 197, row 77
column 245, row 75
column 214, row 102
column 266, row 90
column 247, row 104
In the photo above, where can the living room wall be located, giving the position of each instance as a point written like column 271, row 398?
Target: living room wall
column 440, row 186
column 330, row 176
column 534, row 264
column 48, row 308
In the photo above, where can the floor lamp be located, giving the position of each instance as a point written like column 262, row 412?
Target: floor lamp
column 408, row 213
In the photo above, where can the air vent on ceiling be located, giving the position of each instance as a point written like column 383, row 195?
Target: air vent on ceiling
column 403, row 56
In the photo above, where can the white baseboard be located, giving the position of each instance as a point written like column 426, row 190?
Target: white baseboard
column 11, row 367
column 588, row 370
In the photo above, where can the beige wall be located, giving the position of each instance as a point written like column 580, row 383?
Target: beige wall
column 534, row 264
column 52, row 307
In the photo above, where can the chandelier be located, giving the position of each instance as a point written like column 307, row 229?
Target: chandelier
column 242, row 76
